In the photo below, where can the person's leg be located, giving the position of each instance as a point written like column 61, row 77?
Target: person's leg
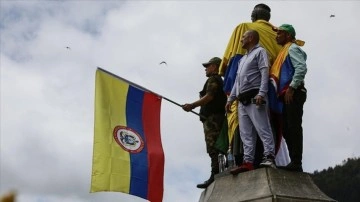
column 294, row 113
column 259, row 151
column 293, row 132
column 260, row 119
column 238, row 147
column 247, row 136
column 286, row 133
column 212, row 127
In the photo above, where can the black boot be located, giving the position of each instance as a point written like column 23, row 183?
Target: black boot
column 214, row 170
column 292, row 166
column 205, row 184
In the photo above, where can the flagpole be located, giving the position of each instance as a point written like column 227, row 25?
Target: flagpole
column 181, row 106
column 145, row 89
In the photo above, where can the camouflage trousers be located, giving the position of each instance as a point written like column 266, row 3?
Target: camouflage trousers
column 212, row 127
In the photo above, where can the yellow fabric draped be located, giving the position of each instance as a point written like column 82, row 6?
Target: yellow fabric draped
column 276, row 67
column 267, row 40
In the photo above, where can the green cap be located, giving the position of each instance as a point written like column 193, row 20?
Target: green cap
column 286, row 27
column 214, row 60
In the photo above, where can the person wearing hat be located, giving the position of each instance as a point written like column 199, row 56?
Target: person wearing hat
column 212, row 112
column 287, row 75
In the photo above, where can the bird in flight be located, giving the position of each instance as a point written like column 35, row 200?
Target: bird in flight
column 332, row 16
column 67, row 47
column 163, row 62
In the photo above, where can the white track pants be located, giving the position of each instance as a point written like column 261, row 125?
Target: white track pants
column 253, row 121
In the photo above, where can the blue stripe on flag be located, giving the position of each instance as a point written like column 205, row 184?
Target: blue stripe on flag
column 138, row 161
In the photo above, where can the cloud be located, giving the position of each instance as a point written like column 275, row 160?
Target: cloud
column 47, row 91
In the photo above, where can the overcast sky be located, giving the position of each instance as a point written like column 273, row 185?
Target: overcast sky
column 47, row 90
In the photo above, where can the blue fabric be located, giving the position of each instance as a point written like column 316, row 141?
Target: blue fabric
column 274, row 103
column 287, row 72
column 230, row 74
column 286, row 75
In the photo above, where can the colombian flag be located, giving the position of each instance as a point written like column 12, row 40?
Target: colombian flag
column 128, row 156
column 281, row 74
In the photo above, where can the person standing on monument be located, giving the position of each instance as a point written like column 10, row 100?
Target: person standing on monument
column 289, row 71
column 260, row 17
column 212, row 113
column 250, row 88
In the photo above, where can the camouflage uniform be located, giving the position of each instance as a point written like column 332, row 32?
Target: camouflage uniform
column 213, row 115
column 212, row 128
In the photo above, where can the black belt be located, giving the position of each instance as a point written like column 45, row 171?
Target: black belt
column 245, row 97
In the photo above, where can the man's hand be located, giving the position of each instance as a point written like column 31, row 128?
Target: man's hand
column 228, row 107
column 188, row 107
column 288, row 98
column 259, row 100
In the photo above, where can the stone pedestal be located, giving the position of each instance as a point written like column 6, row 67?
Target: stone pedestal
column 263, row 185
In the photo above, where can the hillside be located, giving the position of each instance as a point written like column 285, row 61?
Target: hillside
column 342, row 182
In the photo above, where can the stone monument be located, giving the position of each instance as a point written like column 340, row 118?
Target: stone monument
column 264, row 185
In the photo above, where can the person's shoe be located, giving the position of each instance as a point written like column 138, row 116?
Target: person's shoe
column 205, row 184
column 268, row 161
column 295, row 167
column 246, row 166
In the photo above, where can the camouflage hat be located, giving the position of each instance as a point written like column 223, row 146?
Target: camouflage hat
column 287, row 28
column 214, row 60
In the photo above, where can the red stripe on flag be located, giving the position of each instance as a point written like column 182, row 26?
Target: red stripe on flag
column 151, row 121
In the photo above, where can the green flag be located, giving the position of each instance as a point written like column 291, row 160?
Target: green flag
column 222, row 142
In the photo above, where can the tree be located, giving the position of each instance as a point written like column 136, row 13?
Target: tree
column 342, row 182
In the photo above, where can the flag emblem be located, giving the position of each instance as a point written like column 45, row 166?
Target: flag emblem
column 128, row 139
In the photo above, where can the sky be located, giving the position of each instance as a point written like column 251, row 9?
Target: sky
column 47, row 90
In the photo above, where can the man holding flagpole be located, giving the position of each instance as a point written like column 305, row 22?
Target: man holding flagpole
column 212, row 113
